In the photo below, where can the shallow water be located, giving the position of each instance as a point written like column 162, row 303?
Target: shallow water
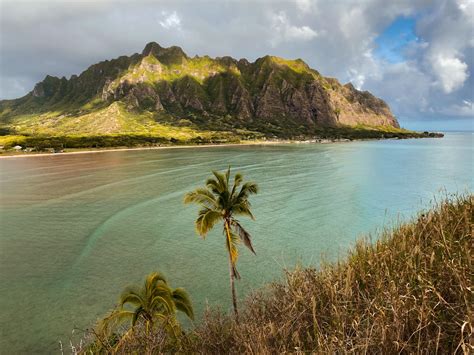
column 76, row 229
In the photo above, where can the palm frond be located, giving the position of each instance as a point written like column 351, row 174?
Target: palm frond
column 162, row 289
column 132, row 295
column 154, row 280
column 113, row 320
column 221, row 180
column 244, row 235
column 250, row 188
column 206, row 220
column 183, row 302
column 214, row 186
column 247, row 189
column 201, row 196
column 227, row 176
column 232, row 243
column 163, row 304
column 235, row 272
column 243, row 209
column 238, row 178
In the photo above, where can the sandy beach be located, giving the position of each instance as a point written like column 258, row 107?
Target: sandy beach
column 9, row 154
column 106, row 150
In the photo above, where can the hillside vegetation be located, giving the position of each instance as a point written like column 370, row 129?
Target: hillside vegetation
column 164, row 93
column 411, row 291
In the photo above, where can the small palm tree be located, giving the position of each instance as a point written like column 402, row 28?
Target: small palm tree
column 221, row 201
column 154, row 303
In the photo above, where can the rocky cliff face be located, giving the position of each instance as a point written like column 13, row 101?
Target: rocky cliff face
column 269, row 95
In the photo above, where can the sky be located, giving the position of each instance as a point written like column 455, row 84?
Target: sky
column 417, row 55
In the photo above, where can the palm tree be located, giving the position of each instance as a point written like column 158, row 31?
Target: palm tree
column 154, row 303
column 222, row 202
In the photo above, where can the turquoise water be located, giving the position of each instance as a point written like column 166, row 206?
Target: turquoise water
column 76, row 229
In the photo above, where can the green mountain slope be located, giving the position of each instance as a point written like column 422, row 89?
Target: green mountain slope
column 164, row 92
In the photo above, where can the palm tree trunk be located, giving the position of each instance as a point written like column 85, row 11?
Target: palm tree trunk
column 232, row 287
column 231, row 273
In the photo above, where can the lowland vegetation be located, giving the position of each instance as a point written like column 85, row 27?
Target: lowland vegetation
column 57, row 143
column 409, row 291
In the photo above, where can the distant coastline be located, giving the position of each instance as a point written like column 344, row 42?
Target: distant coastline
column 72, row 151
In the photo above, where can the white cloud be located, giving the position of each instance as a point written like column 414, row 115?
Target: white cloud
column 352, row 22
column 464, row 5
column 447, row 30
column 304, row 6
column 171, row 20
column 464, row 109
column 356, row 78
column 404, row 86
column 451, row 71
column 284, row 31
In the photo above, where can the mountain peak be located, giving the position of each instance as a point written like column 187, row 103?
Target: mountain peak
column 170, row 55
column 151, row 48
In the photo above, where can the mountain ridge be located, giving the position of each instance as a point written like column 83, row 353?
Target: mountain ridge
column 272, row 95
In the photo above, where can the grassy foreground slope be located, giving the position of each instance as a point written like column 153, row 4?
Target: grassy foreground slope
column 410, row 292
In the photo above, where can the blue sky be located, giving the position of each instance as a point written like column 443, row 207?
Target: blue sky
column 417, row 55
column 443, row 125
column 391, row 46
column 391, row 43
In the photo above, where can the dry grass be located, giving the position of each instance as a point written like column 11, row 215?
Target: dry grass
column 410, row 292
